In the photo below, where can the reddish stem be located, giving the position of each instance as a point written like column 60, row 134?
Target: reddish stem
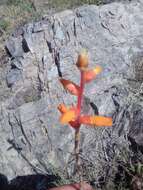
column 80, row 97
column 77, row 129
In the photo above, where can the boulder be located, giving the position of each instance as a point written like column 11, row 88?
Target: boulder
column 32, row 139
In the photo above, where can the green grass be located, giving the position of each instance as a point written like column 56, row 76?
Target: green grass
column 63, row 4
column 14, row 2
column 25, row 5
column 4, row 24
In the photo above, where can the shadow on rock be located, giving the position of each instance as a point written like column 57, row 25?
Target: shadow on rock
column 29, row 182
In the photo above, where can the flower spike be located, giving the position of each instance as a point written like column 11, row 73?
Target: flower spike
column 72, row 116
column 70, row 86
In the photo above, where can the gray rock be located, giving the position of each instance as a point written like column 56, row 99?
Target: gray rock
column 31, row 137
column 17, row 63
column 13, row 76
column 136, row 124
column 14, row 46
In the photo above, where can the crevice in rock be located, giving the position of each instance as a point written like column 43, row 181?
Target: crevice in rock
column 8, row 52
column 114, row 98
column 57, row 62
column 13, row 66
column 25, row 46
column 74, row 27
column 95, row 108
column 49, row 46
column 14, row 145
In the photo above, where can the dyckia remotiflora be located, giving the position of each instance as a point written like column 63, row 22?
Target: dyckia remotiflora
column 72, row 115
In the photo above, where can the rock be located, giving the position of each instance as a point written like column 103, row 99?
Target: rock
column 136, row 124
column 32, row 138
column 14, row 46
column 17, row 63
column 13, row 76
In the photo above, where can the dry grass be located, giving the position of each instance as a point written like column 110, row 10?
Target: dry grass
column 14, row 13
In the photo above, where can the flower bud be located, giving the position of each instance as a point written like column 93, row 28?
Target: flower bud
column 82, row 61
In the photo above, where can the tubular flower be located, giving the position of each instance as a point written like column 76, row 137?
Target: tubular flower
column 68, row 114
column 96, row 120
column 91, row 74
column 70, row 86
column 67, row 117
column 63, row 109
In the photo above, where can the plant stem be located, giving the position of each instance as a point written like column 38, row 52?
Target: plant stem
column 77, row 140
column 80, row 97
column 77, row 130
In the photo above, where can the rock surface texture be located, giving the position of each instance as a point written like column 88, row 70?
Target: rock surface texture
column 31, row 138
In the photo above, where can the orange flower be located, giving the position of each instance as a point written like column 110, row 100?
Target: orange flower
column 96, row 120
column 82, row 62
column 91, row 74
column 63, row 109
column 67, row 117
column 70, row 86
column 68, row 114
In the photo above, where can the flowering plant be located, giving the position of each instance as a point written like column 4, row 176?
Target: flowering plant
column 72, row 115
